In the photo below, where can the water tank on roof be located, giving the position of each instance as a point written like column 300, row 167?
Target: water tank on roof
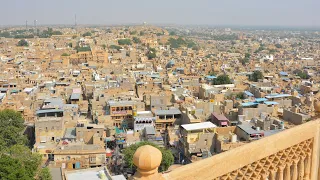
column 281, row 126
column 69, row 165
column 193, row 112
column 233, row 138
column 77, row 165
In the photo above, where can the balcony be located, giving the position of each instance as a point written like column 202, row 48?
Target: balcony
column 120, row 113
column 291, row 154
column 171, row 120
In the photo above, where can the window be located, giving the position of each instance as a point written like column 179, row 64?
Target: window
column 92, row 159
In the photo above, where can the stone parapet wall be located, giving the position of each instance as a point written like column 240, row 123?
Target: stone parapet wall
column 291, row 154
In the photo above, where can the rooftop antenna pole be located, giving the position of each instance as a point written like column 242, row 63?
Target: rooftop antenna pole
column 26, row 24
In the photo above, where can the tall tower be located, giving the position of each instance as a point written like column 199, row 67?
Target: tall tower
column 75, row 20
column 35, row 27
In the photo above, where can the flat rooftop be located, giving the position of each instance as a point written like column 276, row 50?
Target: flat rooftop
column 91, row 174
column 78, row 148
column 198, row 126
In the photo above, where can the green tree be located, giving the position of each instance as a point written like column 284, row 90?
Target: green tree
column 159, row 34
column 11, row 127
column 278, row 46
column 196, row 48
column 65, row 54
column 87, row 34
column 115, row 47
column 57, row 33
column 133, row 32
column 222, row 79
column 82, row 49
column 152, row 53
column 172, row 33
column 256, row 76
column 104, row 46
column 124, row 42
column 23, row 42
column 16, row 159
column 272, row 51
column 240, row 95
column 30, row 161
column 108, row 31
column 261, row 48
column 176, row 43
column 191, row 44
column 136, row 40
column 212, row 73
column 303, row 75
column 45, row 174
column 49, row 32
column 11, row 168
column 247, row 55
column 5, row 34
column 167, row 157
column 24, row 36
column 141, row 33
column 70, row 45
column 225, row 37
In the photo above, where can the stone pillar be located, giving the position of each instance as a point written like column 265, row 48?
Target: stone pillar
column 280, row 172
column 295, row 169
column 147, row 159
column 272, row 175
column 307, row 167
column 301, row 168
column 287, row 173
column 264, row 177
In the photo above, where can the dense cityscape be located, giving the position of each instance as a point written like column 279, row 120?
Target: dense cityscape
column 154, row 102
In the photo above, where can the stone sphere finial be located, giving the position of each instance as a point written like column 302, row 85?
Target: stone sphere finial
column 147, row 159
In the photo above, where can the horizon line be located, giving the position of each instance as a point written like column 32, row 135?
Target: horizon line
column 170, row 24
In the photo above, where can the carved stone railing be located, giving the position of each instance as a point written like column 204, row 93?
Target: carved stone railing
column 291, row 154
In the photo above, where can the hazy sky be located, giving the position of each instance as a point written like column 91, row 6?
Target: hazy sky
column 208, row 12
